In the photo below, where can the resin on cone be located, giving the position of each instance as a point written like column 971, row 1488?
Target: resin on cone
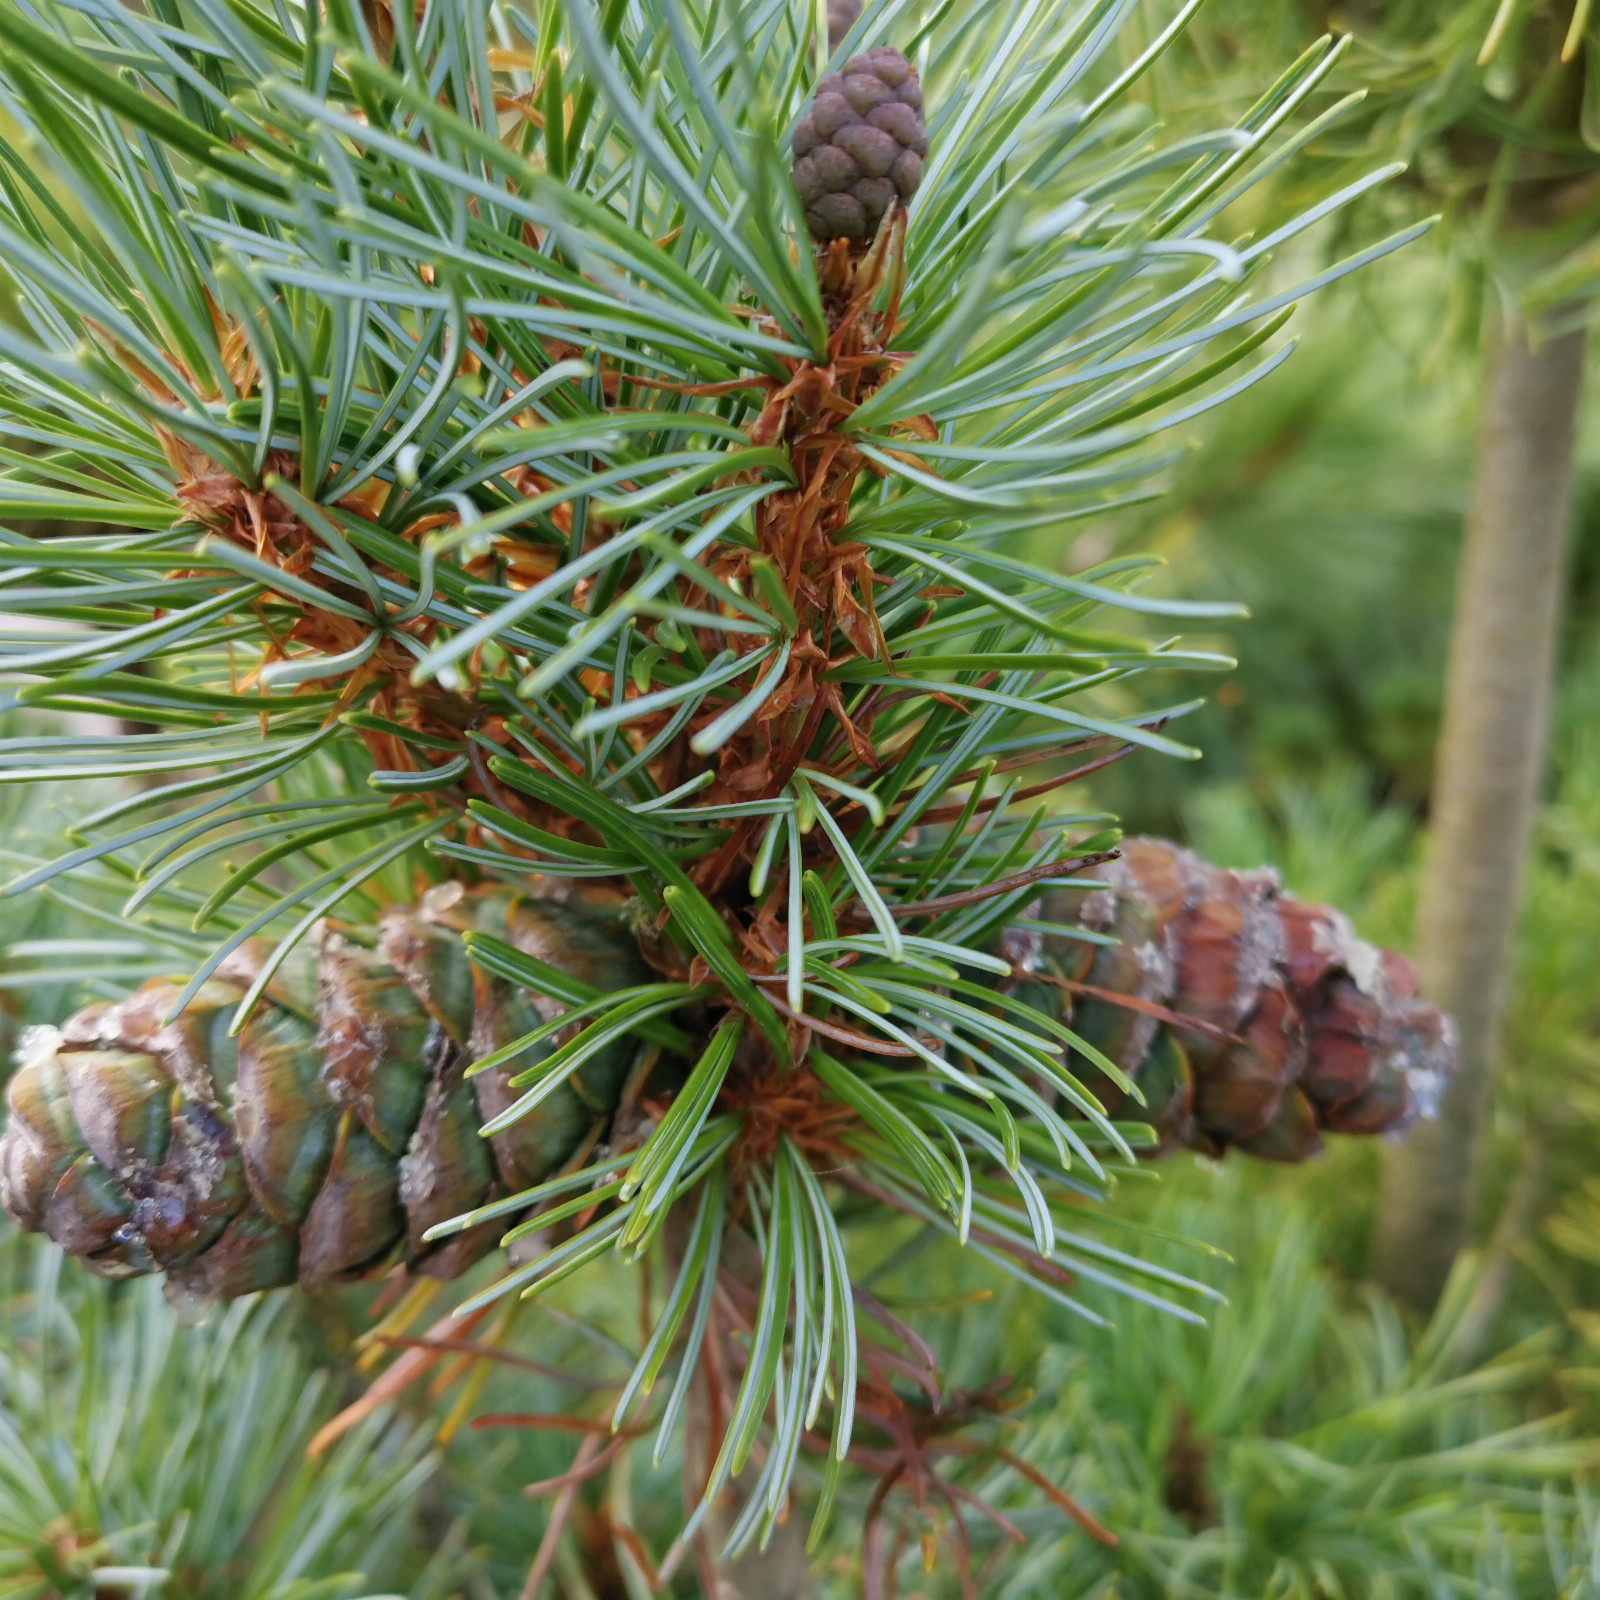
column 1299, row 1027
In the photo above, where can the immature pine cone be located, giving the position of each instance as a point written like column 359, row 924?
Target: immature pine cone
column 1304, row 1029
column 339, row 1126
column 860, row 146
column 842, row 17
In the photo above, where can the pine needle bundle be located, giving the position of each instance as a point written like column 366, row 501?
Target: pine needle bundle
column 558, row 479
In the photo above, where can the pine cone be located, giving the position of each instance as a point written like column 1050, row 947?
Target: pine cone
column 309, row 1149
column 842, row 17
column 861, row 146
column 1302, row 1027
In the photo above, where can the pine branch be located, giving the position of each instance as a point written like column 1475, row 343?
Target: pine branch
column 495, row 489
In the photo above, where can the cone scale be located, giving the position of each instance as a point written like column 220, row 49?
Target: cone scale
column 1246, row 1018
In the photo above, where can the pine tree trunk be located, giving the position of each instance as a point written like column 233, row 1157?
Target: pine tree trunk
column 1486, row 781
column 780, row 1572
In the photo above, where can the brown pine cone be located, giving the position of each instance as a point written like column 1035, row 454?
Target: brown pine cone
column 1302, row 1027
column 842, row 17
column 860, row 147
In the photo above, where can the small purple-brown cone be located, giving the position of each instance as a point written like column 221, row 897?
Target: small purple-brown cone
column 842, row 17
column 860, row 147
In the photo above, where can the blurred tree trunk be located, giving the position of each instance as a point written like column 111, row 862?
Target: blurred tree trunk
column 781, row 1571
column 1486, row 780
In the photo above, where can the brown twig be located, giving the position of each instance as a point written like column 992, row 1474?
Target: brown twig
column 856, row 1041
column 560, row 1513
column 1060, row 1497
column 488, row 1353
column 950, row 813
column 551, row 1422
column 581, row 1471
column 414, row 1364
column 1133, row 1002
column 988, row 891
column 634, row 1545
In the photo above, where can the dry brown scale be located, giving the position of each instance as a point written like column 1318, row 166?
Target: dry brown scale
column 827, row 577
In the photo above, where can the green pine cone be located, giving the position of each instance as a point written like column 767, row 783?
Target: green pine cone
column 326, row 1139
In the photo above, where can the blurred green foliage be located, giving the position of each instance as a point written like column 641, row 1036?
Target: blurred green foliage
column 139, row 1457
column 1303, row 1444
